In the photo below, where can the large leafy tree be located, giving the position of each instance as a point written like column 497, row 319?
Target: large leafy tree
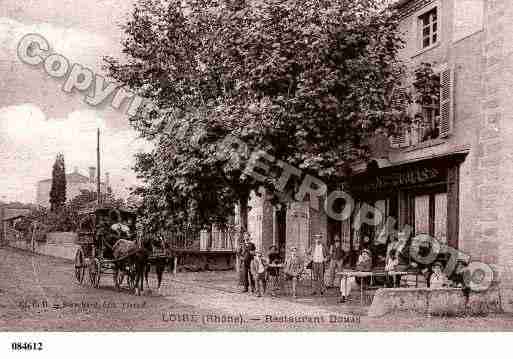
column 306, row 81
column 58, row 189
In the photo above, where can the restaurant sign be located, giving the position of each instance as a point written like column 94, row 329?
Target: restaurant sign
column 404, row 177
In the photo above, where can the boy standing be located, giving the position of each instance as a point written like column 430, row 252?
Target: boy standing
column 259, row 271
column 293, row 269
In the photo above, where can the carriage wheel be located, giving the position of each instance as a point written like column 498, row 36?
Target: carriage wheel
column 131, row 276
column 79, row 266
column 94, row 273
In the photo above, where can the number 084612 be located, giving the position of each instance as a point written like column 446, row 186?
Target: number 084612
column 27, row 346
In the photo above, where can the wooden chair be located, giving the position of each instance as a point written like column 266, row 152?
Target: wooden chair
column 306, row 274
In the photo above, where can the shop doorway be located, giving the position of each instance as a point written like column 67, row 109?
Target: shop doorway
column 281, row 229
column 334, row 229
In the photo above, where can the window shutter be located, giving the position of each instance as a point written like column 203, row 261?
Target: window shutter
column 400, row 102
column 400, row 140
column 399, row 99
column 446, row 102
column 347, row 149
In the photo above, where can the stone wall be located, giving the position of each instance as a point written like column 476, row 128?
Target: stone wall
column 434, row 301
column 58, row 244
column 497, row 123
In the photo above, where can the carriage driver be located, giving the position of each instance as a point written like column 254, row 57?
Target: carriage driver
column 104, row 235
column 122, row 229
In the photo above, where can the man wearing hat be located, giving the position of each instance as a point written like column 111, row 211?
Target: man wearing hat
column 319, row 256
column 364, row 264
column 248, row 252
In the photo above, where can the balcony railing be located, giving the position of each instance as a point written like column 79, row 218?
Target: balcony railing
column 223, row 239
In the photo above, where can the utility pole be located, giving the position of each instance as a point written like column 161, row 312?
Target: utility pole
column 98, row 189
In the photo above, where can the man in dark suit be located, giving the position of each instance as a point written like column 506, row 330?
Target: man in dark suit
column 248, row 252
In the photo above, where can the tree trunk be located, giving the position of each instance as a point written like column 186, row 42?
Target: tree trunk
column 243, row 212
column 243, row 203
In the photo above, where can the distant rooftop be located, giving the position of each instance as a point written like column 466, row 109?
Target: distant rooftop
column 74, row 177
column 400, row 3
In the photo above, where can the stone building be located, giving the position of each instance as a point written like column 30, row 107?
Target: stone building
column 455, row 183
column 75, row 182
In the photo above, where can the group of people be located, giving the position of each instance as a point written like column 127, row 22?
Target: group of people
column 257, row 270
column 324, row 263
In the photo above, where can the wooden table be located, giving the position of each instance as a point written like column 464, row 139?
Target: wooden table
column 398, row 273
column 357, row 274
column 372, row 274
column 277, row 266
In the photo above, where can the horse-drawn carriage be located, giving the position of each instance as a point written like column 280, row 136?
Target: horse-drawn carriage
column 99, row 230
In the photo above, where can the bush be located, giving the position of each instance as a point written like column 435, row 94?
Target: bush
column 63, row 220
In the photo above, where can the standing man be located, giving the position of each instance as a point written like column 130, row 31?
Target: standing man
column 337, row 257
column 319, row 256
column 240, row 257
column 247, row 256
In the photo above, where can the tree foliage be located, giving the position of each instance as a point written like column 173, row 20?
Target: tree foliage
column 305, row 81
column 58, row 189
column 426, row 85
column 67, row 218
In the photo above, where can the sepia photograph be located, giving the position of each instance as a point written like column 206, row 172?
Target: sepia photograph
column 255, row 166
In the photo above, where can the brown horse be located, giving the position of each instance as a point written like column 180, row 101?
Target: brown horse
column 160, row 263
column 135, row 261
column 160, row 266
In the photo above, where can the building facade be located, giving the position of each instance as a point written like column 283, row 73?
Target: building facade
column 449, row 174
column 75, row 183
column 465, row 40
column 8, row 211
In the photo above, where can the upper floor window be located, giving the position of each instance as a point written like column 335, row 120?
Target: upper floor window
column 428, row 28
column 426, row 124
column 432, row 113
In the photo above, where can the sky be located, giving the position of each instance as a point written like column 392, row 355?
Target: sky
column 37, row 118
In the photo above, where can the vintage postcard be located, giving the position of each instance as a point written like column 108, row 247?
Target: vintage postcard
column 255, row 165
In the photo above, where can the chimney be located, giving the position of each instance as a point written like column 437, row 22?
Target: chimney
column 92, row 171
column 75, row 169
column 107, row 179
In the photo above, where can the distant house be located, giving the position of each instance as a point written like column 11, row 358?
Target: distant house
column 10, row 212
column 75, row 182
